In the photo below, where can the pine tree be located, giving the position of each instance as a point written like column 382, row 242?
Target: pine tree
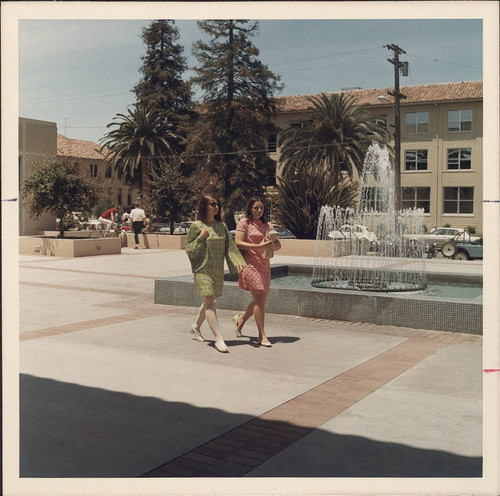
column 162, row 86
column 230, row 136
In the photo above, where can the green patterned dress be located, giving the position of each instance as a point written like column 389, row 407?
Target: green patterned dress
column 207, row 257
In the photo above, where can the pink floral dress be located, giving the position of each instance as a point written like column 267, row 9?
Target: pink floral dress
column 257, row 273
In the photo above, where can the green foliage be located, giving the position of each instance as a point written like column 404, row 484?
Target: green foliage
column 174, row 195
column 303, row 193
column 141, row 138
column 104, row 203
column 334, row 133
column 471, row 230
column 228, row 141
column 59, row 189
column 162, row 85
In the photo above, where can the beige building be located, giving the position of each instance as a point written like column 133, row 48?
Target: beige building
column 90, row 159
column 38, row 140
column 441, row 146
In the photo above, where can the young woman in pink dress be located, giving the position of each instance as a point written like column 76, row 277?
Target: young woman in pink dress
column 251, row 236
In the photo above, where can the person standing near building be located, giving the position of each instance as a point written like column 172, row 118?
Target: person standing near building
column 208, row 243
column 137, row 217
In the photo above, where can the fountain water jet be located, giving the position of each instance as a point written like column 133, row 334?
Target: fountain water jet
column 371, row 248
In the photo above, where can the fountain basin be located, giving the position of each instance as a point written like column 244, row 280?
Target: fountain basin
column 391, row 309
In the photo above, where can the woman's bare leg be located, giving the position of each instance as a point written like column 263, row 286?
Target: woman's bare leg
column 245, row 316
column 210, row 304
column 259, row 312
column 195, row 328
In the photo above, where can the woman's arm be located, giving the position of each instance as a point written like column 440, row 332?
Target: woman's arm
column 234, row 258
column 196, row 246
column 240, row 242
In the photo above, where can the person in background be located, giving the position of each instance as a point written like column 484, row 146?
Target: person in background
column 208, row 242
column 137, row 217
column 252, row 235
column 108, row 217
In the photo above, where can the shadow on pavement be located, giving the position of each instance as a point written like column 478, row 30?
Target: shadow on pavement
column 68, row 430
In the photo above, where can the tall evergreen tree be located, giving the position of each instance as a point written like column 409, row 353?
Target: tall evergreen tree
column 162, row 85
column 230, row 137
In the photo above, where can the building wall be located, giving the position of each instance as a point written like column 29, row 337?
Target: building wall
column 37, row 141
column 122, row 194
column 437, row 140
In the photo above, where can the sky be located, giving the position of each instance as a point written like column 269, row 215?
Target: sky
column 80, row 73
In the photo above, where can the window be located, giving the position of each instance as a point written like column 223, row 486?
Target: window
column 459, row 120
column 417, row 122
column 109, row 172
column 93, row 170
column 296, row 125
column 374, row 198
column 459, row 158
column 458, row 200
column 271, row 179
column 416, row 198
column 416, row 160
column 129, row 199
column 271, row 143
column 119, row 196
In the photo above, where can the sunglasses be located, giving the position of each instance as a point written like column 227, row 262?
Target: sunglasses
column 213, row 204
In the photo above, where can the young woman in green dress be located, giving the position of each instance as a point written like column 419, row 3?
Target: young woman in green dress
column 208, row 243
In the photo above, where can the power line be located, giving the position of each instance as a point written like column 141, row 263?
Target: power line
column 239, row 152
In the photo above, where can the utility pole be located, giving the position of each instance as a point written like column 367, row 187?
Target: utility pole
column 397, row 120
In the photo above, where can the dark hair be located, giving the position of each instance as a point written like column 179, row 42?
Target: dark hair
column 202, row 207
column 250, row 204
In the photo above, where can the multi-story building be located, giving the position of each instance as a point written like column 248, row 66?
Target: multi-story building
column 89, row 157
column 441, row 146
column 39, row 140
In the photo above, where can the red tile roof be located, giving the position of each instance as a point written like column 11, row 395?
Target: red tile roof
column 74, row 148
column 428, row 93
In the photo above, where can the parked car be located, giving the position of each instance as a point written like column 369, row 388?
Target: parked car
column 282, row 232
column 458, row 248
column 353, row 231
column 440, row 235
column 163, row 227
column 394, row 246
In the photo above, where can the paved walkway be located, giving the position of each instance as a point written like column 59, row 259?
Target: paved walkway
column 113, row 385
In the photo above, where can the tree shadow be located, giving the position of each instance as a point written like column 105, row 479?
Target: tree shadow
column 68, row 430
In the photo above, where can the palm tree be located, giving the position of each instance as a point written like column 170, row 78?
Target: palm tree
column 333, row 135
column 142, row 135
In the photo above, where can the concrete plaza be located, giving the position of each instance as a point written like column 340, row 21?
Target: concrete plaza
column 113, row 385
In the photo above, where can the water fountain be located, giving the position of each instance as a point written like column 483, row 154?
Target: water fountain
column 371, row 248
column 386, row 269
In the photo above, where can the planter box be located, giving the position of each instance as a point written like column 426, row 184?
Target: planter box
column 158, row 241
column 57, row 247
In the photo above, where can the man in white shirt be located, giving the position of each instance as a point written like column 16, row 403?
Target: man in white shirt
column 137, row 217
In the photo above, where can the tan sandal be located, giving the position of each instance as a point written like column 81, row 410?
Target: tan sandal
column 236, row 330
column 197, row 334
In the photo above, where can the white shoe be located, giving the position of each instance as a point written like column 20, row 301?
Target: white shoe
column 221, row 346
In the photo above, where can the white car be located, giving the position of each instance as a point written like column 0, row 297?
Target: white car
column 440, row 235
column 353, row 231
